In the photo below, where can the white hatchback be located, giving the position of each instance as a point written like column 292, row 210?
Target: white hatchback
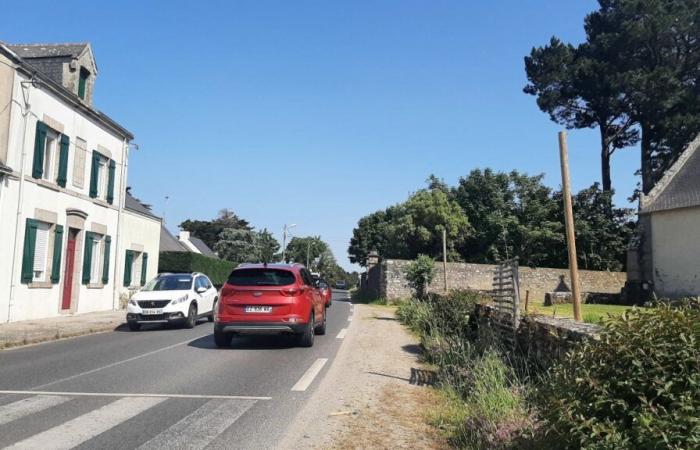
column 173, row 298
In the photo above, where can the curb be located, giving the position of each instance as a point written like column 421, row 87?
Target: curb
column 57, row 336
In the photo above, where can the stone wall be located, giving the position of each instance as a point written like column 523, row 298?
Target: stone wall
column 391, row 279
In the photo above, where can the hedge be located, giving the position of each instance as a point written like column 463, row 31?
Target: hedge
column 217, row 270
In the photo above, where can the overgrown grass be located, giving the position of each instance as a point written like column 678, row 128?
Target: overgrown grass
column 591, row 313
column 359, row 296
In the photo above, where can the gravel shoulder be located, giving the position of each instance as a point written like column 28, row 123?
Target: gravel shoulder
column 374, row 394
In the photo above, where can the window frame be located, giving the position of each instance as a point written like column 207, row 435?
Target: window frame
column 96, row 259
column 50, row 164
column 47, row 254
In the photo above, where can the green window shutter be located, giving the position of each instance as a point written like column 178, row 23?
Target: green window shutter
column 110, row 182
column 63, row 161
column 105, row 266
column 87, row 256
column 93, row 174
column 56, row 259
column 39, row 144
column 144, row 267
column 29, row 247
column 128, row 264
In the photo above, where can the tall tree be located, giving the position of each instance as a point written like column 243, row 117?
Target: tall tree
column 267, row 246
column 301, row 249
column 654, row 48
column 578, row 89
column 238, row 246
column 210, row 230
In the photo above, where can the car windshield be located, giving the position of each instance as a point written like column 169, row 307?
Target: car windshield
column 169, row 283
column 261, row 277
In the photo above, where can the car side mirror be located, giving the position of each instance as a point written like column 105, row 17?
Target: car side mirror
column 201, row 290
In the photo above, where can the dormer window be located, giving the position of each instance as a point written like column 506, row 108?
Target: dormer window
column 82, row 82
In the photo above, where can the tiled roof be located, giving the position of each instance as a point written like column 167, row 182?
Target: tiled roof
column 169, row 243
column 29, row 51
column 202, row 247
column 680, row 185
column 134, row 204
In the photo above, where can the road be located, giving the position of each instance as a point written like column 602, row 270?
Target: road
column 161, row 388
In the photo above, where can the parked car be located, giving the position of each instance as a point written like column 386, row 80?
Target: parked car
column 180, row 298
column 270, row 298
column 326, row 291
column 340, row 284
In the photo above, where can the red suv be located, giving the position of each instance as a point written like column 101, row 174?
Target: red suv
column 270, row 298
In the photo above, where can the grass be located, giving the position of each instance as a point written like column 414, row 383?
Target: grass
column 592, row 313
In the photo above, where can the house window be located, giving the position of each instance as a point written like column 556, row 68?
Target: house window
column 50, row 156
column 41, row 251
column 136, row 269
column 82, row 82
column 101, row 177
column 95, row 261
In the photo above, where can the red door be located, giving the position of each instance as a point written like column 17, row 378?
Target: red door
column 68, row 271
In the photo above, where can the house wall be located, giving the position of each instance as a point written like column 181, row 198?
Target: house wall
column 7, row 75
column 676, row 249
column 22, row 301
column 139, row 234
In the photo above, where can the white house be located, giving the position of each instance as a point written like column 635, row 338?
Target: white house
column 663, row 260
column 63, row 169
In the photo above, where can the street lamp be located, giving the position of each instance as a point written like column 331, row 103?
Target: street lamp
column 284, row 240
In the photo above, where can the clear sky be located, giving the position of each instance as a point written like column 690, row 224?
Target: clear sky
column 319, row 112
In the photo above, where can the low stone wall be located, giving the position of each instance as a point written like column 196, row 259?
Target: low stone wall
column 391, row 279
column 542, row 339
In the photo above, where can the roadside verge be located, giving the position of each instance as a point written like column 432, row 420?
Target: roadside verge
column 375, row 393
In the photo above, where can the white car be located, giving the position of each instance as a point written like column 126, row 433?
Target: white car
column 173, row 298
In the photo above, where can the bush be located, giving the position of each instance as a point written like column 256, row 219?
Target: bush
column 217, row 270
column 419, row 273
column 637, row 387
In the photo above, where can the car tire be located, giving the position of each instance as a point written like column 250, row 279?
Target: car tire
column 222, row 339
column 134, row 326
column 191, row 320
column 321, row 328
column 213, row 308
column 306, row 339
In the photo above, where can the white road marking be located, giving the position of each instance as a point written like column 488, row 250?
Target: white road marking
column 200, row 428
column 342, row 333
column 83, row 428
column 308, row 377
column 27, row 406
column 133, row 358
column 135, row 395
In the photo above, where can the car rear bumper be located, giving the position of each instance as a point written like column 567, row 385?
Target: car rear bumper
column 166, row 317
column 248, row 327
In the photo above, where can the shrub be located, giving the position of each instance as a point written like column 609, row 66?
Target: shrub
column 637, row 387
column 419, row 273
column 217, row 270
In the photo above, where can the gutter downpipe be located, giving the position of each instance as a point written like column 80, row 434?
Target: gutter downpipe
column 20, row 197
column 120, row 215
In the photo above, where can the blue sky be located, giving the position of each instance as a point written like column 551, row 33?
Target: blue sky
column 319, row 112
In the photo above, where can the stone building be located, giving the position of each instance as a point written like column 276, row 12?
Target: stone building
column 663, row 258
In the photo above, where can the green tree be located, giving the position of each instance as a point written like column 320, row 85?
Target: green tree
column 419, row 273
column 578, row 88
column 301, row 249
column 238, row 246
column 267, row 246
column 210, row 230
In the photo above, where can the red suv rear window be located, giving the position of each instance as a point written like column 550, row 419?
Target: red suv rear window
column 261, row 277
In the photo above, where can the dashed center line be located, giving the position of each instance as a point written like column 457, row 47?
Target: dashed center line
column 342, row 333
column 308, row 377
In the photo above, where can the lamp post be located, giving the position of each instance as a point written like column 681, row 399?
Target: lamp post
column 284, row 240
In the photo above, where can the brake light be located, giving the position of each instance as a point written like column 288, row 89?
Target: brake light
column 291, row 292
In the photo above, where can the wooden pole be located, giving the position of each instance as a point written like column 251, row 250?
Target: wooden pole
column 527, row 299
column 444, row 256
column 569, row 219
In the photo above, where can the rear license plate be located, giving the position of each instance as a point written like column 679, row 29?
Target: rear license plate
column 258, row 309
column 152, row 311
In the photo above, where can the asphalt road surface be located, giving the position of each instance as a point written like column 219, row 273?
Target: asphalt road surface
column 161, row 388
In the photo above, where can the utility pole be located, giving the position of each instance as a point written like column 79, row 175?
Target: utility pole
column 284, row 240
column 444, row 256
column 308, row 249
column 569, row 219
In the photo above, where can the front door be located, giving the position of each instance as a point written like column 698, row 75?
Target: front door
column 68, row 270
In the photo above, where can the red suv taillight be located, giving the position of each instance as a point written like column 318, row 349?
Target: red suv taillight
column 291, row 292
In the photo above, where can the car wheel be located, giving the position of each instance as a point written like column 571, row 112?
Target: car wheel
column 321, row 329
column 222, row 339
column 213, row 308
column 134, row 326
column 191, row 317
column 306, row 339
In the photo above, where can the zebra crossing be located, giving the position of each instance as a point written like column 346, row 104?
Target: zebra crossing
column 207, row 419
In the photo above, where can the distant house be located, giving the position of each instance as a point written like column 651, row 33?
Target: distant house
column 139, row 244
column 185, row 242
column 663, row 260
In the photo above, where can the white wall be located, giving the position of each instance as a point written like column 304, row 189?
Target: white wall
column 676, row 252
column 28, row 302
column 139, row 233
